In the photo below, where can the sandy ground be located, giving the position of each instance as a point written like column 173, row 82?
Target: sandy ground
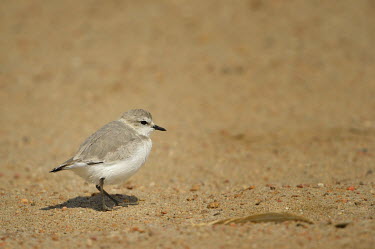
column 269, row 107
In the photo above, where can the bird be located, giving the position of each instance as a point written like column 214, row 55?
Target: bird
column 114, row 153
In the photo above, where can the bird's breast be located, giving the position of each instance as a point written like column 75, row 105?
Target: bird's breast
column 143, row 151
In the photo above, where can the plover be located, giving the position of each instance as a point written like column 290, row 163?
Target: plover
column 115, row 152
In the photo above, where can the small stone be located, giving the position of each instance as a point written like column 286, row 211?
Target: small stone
column 214, row 204
column 130, row 187
column 342, row 225
column 195, row 187
column 64, row 208
column 272, row 187
column 342, row 200
column 320, row 184
column 351, row 188
column 137, row 229
column 24, row 201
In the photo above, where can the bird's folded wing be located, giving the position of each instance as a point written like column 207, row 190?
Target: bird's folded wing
column 114, row 141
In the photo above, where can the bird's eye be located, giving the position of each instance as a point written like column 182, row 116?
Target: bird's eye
column 144, row 122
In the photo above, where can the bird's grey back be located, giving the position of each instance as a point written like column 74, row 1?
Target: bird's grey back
column 114, row 141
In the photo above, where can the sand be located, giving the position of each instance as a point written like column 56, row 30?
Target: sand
column 269, row 107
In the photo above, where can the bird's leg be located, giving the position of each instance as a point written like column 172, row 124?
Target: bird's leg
column 103, row 192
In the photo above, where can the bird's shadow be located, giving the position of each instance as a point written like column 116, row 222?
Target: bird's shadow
column 94, row 202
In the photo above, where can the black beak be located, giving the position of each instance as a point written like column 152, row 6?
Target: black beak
column 158, row 128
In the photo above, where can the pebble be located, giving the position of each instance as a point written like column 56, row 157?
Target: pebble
column 24, row 201
column 342, row 225
column 195, row 187
column 137, row 229
column 214, row 204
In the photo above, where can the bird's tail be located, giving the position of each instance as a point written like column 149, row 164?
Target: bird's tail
column 62, row 166
column 71, row 163
column 57, row 169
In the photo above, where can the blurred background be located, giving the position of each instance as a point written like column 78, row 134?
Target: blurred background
column 249, row 91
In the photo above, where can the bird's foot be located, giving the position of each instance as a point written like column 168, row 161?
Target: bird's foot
column 122, row 204
column 105, row 208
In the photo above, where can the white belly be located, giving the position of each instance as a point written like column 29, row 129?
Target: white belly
column 116, row 172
